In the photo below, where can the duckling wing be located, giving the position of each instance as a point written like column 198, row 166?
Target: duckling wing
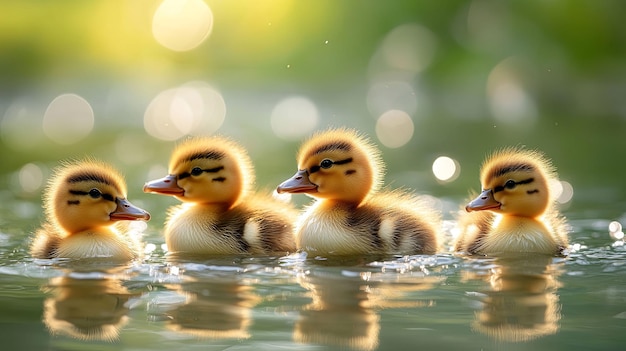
column 408, row 223
column 473, row 228
column 273, row 229
column 46, row 242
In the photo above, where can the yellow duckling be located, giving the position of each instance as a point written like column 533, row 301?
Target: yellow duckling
column 516, row 211
column 343, row 170
column 220, row 214
column 84, row 202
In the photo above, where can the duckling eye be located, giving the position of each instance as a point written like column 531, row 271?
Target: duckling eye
column 196, row 171
column 326, row 163
column 510, row 184
column 95, row 193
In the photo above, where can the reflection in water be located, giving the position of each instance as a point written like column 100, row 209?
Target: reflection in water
column 343, row 308
column 213, row 308
column 522, row 303
column 86, row 306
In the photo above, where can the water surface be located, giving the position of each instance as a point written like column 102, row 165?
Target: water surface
column 298, row 302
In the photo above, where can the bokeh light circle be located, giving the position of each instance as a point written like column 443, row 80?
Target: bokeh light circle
column 195, row 108
column 409, row 47
column 446, row 169
column 30, row 177
column 294, row 117
column 567, row 192
column 394, row 128
column 509, row 101
column 68, row 119
column 182, row 25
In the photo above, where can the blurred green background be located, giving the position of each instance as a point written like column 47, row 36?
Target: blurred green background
column 123, row 80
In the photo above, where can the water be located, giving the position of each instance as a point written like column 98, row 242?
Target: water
column 299, row 302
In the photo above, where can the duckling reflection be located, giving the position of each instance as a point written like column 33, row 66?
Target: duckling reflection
column 86, row 309
column 343, row 310
column 522, row 303
column 216, row 309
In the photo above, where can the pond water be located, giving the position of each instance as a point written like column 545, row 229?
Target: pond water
column 298, row 302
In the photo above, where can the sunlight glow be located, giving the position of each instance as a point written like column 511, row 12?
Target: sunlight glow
column 446, row 169
column 182, row 25
column 294, row 117
column 68, row 119
column 394, row 128
column 195, row 108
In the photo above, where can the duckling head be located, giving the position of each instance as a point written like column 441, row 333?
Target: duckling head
column 515, row 181
column 88, row 194
column 338, row 164
column 207, row 170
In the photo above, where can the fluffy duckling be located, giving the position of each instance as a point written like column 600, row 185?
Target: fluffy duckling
column 84, row 202
column 343, row 171
column 220, row 214
column 516, row 211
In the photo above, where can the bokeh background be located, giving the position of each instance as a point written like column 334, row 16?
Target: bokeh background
column 436, row 84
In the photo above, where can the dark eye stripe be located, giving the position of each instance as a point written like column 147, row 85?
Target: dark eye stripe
column 107, row 197
column 341, row 162
column 525, row 181
column 208, row 170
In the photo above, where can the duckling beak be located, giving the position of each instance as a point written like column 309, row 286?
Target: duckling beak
column 165, row 186
column 484, row 201
column 299, row 183
column 126, row 211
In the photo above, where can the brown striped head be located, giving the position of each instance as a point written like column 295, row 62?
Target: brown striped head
column 88, row 194
column 337, row 164
column 209, row 170
column 515, row 181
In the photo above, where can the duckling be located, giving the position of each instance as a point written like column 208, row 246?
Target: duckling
column 516, row 210
column 343, row 171
column 84, row 203
column 220, row 214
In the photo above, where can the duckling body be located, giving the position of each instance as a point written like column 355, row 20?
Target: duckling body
column 343, row 171
column 84, row 204
column 516, row 211
column 220, row 214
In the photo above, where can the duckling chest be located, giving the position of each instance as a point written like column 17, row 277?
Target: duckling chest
column 519, row 235
column 96, row 245
column 197, row 231
column 338, row 231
